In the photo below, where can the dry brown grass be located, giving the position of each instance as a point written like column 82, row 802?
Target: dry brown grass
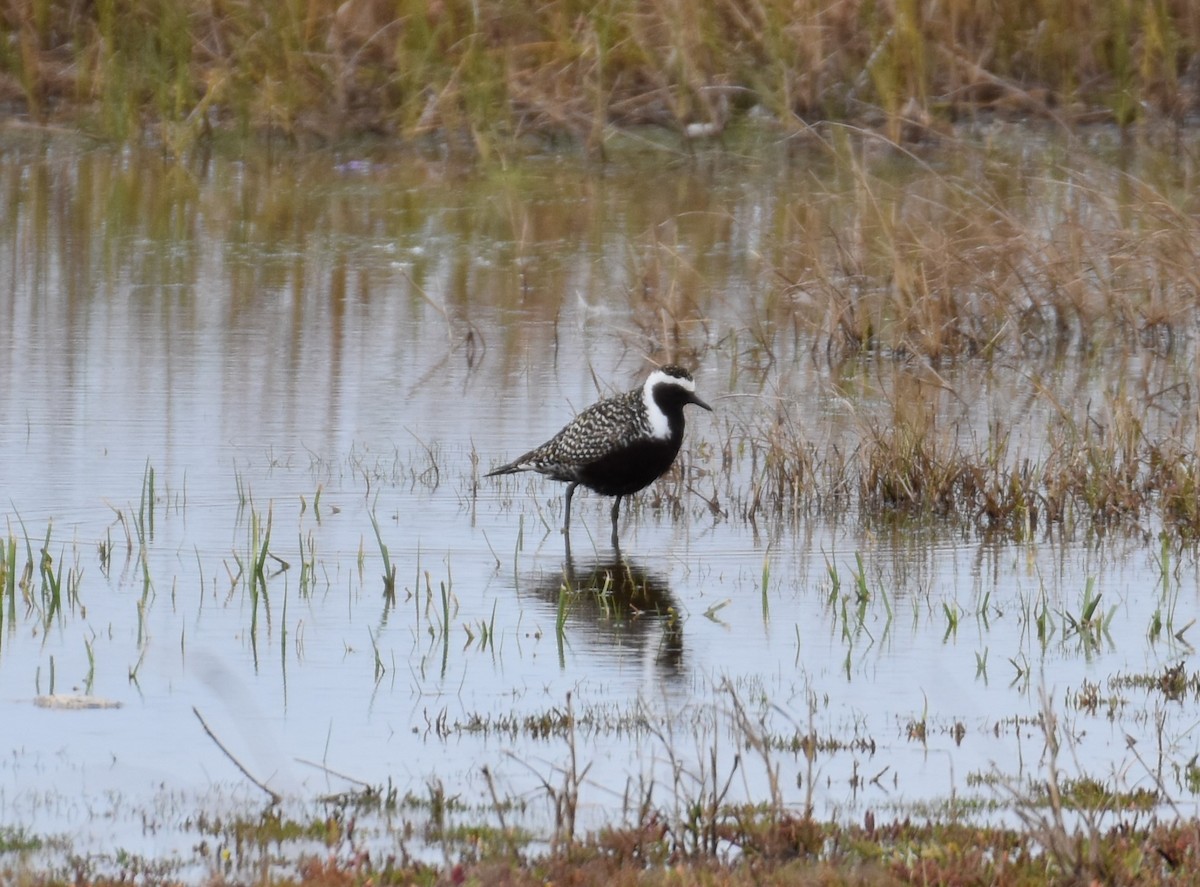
column 990, row 257
column 1104, row 474
column 1059, row 293
column 486, row 72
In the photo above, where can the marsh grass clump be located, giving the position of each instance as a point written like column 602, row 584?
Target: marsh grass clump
column 1172, row 472
column 783, row 465
column 1174, row 682
column 1098, row 467
column 908, row 467
column 1089, row 793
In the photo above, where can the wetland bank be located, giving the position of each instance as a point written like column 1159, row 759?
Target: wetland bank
column 931, row 560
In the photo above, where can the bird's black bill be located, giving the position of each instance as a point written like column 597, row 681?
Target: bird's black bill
column 698, row 402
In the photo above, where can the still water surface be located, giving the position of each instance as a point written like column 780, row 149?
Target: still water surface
column 309, row 343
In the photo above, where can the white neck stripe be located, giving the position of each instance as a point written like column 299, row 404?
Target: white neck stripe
column 659, row 426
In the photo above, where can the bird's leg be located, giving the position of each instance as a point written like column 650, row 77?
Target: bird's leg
column 567, row 520
column 615, row 513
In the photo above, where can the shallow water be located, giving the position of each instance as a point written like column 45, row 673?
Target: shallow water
column 196, row 357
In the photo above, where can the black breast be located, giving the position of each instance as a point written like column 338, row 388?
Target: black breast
column 630, row 468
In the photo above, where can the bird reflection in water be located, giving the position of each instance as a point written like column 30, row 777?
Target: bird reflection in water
column 616, row 606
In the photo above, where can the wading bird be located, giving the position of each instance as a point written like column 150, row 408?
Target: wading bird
column 619, row 445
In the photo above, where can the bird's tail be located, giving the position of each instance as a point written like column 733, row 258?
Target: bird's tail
column 510, row 468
